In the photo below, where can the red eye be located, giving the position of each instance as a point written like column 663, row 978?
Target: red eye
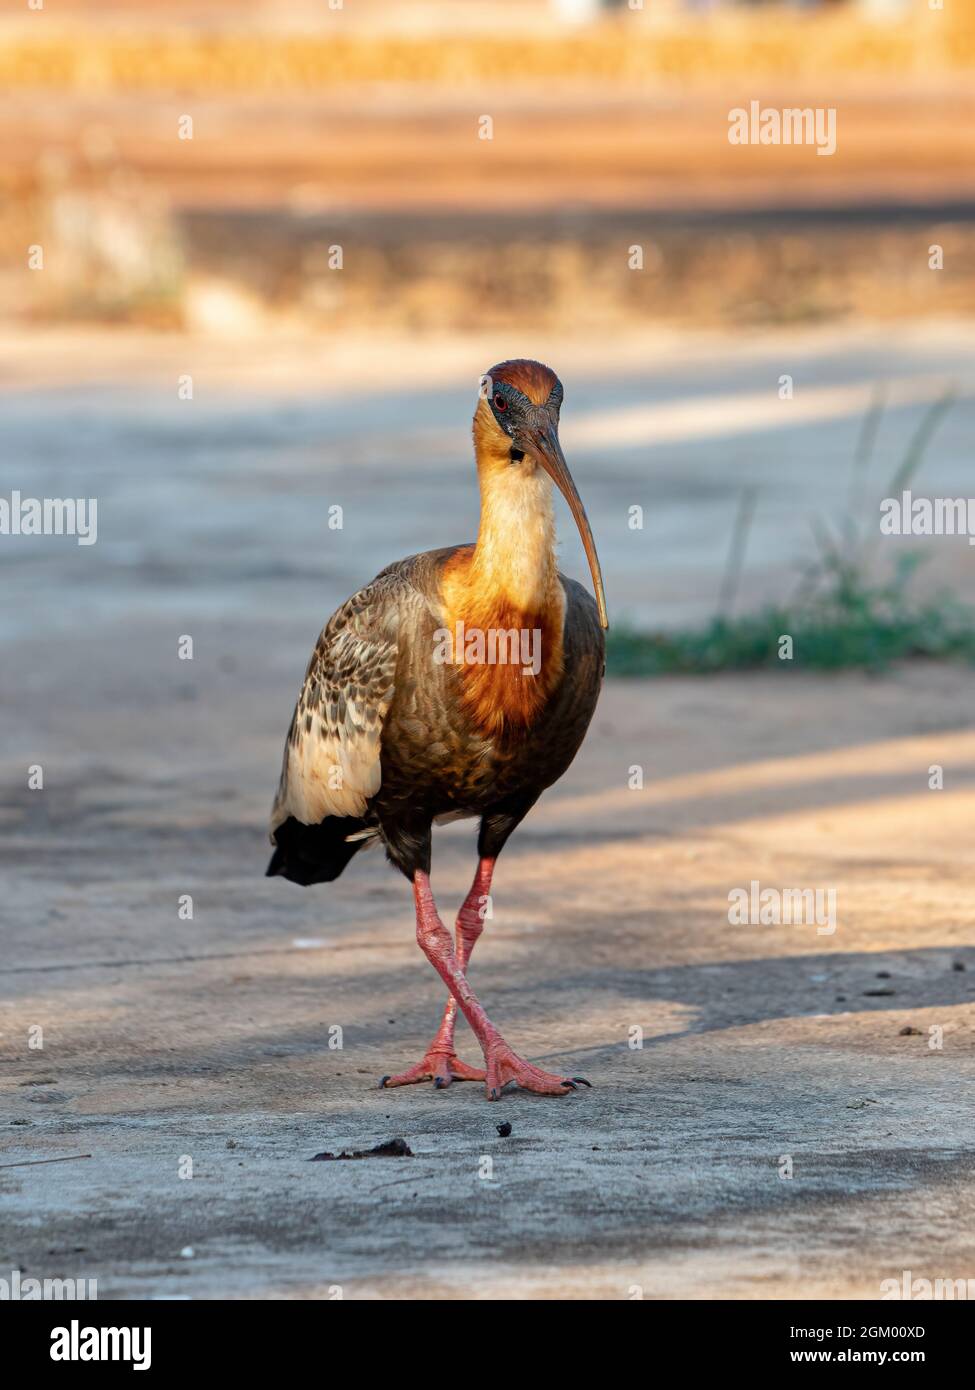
column 500, row 403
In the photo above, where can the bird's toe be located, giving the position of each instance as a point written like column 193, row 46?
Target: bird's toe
column 442, row 1068
column 504, row 1065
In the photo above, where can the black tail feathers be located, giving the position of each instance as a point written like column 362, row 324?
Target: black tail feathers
column 314, row 853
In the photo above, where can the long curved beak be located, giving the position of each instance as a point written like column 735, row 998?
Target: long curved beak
column 542, row 442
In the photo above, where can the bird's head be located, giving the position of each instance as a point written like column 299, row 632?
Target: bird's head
column 516, row 425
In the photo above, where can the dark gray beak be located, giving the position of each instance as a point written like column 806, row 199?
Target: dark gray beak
column 541, row 440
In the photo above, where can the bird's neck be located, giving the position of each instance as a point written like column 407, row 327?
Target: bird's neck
column 508, row 583
column 514, row 559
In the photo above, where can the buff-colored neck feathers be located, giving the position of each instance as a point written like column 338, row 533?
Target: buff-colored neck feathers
column 508, row 582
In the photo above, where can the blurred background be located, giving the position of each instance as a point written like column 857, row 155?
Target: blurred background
column 333, row 218
column 358, row 125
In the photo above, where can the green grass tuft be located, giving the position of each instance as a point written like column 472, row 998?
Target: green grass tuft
column 868, row 635
column 839, row 619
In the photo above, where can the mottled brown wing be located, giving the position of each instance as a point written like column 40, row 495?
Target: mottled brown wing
column 331, row 761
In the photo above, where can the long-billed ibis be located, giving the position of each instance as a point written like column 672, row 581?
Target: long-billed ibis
column 459, row 682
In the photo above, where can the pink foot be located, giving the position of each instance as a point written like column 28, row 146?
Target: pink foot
column 439, row 1066
column 504, row 1065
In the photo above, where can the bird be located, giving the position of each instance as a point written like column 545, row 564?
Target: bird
column 459, row 683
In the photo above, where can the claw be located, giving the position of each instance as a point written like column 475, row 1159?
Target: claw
column 382, row 1084
column 438, row 1083
column 582, row 1081
column 504, row 1065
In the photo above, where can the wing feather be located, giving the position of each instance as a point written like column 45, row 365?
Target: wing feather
column 331, row 764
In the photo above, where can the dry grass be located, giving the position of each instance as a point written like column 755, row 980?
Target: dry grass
column 779, row 45
column 443, row 230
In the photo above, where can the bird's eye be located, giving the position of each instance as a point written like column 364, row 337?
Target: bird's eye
column 500, row 403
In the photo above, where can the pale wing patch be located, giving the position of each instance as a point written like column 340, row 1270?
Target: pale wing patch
column 332, row 756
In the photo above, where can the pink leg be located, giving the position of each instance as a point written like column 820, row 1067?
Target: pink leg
column 502, row 1064
column 440, row 1062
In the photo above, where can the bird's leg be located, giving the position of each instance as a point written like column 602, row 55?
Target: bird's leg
column 440, row 1062
column 467, row 928
column 502, row 1064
